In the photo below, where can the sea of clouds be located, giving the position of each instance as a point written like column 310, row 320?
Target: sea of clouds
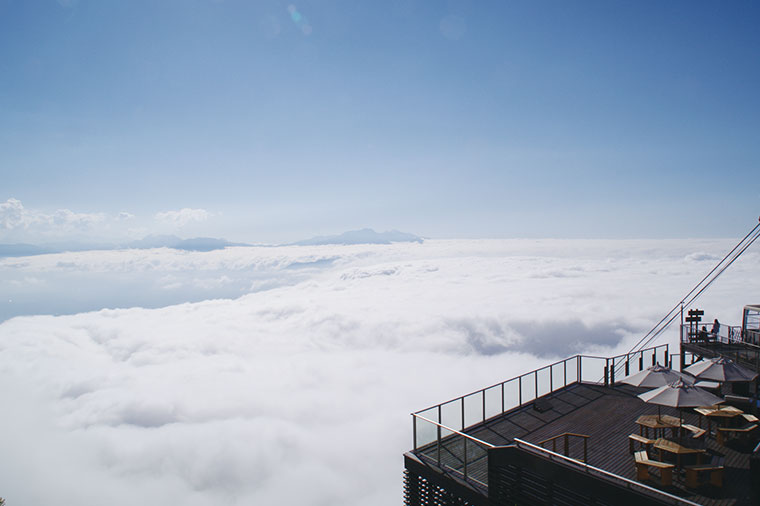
column 286, row 375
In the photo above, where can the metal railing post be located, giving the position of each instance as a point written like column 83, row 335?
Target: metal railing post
column 484, row 404
column 414, row 430
column 519, row 390
column 612, row 373
column 551, row 378
column 462, row 400
column 502, row 398
column 439, row 435
column 464, row 456
column 585, row 449
column 535, row 378
column 439, row 445
column 564, row 372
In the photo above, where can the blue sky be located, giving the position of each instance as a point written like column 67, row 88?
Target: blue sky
column 447, row 119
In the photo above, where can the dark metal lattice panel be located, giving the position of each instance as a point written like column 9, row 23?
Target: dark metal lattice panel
column 420, row 492
column 519, row 486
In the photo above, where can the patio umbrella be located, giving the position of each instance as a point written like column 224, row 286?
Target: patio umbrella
column 720, row 369
column 679, row 394
column 655, row 376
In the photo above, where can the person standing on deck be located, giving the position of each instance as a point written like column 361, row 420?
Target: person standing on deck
column 715, row 329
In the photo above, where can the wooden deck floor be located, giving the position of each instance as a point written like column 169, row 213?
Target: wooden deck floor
column 608, row 416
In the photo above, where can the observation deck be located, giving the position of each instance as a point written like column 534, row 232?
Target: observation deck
column 557, row 435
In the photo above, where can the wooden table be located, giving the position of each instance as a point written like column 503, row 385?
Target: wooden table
column 665, row 445
column 720, row 413
column 657, row 422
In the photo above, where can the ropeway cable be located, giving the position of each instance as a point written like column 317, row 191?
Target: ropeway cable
column 710, row 277
column 659, row 328
column 678, row 305
column 701, row 290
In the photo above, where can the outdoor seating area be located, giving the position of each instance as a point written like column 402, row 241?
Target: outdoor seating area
column 662, row 434
column 680, row 448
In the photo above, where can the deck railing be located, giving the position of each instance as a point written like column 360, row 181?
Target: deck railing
column 601, row 473
column 728, row 342
column 456, row 451
column 432, row 425
column 727, row 334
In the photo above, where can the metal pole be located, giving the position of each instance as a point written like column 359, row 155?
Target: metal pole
column 551, row 378
column 502, row 397
column 484, row 404
column 464, row 457
column 564, row 373
column 462, row 401
column 612, row 373
column 414, row 430
column 519, row 389
column 439, row 445
column 585, row 450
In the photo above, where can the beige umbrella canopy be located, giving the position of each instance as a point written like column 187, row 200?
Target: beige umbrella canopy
column 655, row 376
column 680, row 394
column 720, row 369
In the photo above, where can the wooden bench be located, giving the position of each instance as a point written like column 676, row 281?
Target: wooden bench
column 643, row 464
column 738, row 432
column 696, row 432
column 692, row 475
column 635, row 438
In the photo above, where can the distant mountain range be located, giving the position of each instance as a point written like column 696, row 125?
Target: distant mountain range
column 151, row 241
column 363, row 236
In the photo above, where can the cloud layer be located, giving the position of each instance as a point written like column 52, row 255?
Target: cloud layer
column 299, row 392
column 15, row 217
column 21, row 224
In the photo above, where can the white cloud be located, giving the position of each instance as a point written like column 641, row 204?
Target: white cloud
column 182, row 217
column 13, row 214
column 312, row 379
column 14, row 217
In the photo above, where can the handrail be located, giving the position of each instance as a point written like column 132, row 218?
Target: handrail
column 728, row 339
column 553, row 386
column 567, row 435
column 572, row 434
column 464, row 447
column 621, row 365
column 574, row 357
column 440, row 425
column 582, row 466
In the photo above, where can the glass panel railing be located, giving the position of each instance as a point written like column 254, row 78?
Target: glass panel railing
column 528, row 387
column 473, row 408
column 511, row 394
column 451, row 414
column 493, row 401
column 476, row 407
column 571, row 370
column 452, row 450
